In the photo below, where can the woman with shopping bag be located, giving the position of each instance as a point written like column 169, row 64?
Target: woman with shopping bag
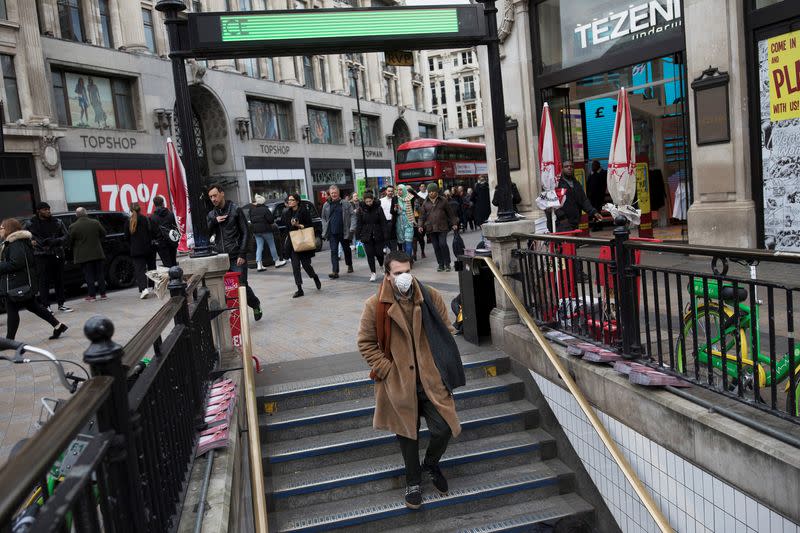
column 301, row 242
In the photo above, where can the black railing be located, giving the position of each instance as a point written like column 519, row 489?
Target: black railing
column 133, row 464
column 676, row 307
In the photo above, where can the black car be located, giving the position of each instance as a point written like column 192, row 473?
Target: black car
column 119, row 266
column 277, row 208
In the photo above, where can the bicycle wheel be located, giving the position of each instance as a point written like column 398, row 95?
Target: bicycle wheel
column 693, row 350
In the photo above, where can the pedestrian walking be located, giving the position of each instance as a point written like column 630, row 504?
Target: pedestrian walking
column 405, row 220
column 406, row 338
column 141, row 234
column 437, row 219
column 295, row 218
column 369, row 230
column 338, row 226
column 355, row 202
column 480, row 201
column 419, row 235
column 568, row 216
column 597, row 185
column 18, row 279
column 389, row 206
column 469, row 210
column 263, row 222
column 455, row 204
column 86, row 240
column 228, row 225
column 49, row 235
column 167, row 233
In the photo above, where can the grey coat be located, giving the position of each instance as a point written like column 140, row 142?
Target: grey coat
column 348, row 220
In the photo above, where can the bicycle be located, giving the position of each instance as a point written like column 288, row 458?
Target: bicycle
column 25, row 517
column 730, row 330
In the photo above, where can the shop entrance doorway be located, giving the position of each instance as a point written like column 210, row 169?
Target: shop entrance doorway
column 583, row 114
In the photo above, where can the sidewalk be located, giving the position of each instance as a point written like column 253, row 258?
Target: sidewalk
column 321, row 323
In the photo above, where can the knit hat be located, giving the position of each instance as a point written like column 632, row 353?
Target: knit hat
column 260, row 200
column 432, row 187
column 43, row 205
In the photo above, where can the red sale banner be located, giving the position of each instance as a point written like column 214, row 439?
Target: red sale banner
column 120, row 188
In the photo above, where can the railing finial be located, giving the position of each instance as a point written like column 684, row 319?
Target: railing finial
column 99, row 330
column 177, row 286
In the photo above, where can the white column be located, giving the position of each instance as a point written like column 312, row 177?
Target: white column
column 374, row 74
column 48, row 17
column 160, row 31
column 34, row 89
column 406, row 87
column 90, row 12
column 115, row 20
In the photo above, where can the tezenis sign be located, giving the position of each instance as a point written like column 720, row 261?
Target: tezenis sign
column 648, row 18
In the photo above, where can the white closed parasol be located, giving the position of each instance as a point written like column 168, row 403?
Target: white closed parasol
column 622, row 164
column 549, row 166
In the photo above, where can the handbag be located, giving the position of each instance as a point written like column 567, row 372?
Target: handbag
column 23, row 293
column 303, row 240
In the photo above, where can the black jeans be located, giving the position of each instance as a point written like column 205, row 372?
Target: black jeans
column 141, row 264
column 32, row 305
column 168, row 255
column 374, row 250
column 334, row 241
column 419, row 237
column 440, row 438
column 50, row 270
column 95, row 272
column 252, row 300
column 304, row 261
column 440, row 248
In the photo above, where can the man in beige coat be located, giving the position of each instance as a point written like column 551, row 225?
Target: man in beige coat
column 407, row 382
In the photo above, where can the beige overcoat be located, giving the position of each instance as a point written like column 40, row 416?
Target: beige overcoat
column 396, row 384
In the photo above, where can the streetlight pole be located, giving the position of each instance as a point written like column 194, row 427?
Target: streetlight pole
column 177, row 31
column 505, row 211
column 354, row 73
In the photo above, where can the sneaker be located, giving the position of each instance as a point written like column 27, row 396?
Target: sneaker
column 90, row 299
column 333, row 275
column 142, row 295
column 447, row 268
column 103, row 297
column 437, row 478
column 257, row 313
column 440, row 268
column 350, row 269
column 280, row 263
column 373, row 276
column 64, row 309
column 413, row 497
column 58, row 331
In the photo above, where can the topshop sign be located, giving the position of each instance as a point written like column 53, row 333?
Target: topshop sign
column 638, row 21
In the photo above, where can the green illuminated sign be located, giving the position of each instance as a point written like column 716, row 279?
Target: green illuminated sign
column 341, row 23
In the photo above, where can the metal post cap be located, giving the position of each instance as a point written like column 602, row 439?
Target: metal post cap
column 170, row 5
column 176, row 278
column 99, row 331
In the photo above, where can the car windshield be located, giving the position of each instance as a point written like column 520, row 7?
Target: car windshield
column 416, row 155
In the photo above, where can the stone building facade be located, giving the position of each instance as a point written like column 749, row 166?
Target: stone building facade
column 89, row 99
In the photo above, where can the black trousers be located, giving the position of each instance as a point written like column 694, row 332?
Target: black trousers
column 50, row 270
column 168, row 255
column 304, row 261
column 440, row 438
column 440, row 248
column 32, row 305
column 252, row 300
column 141, row 264
column 374, row 250
column 419, row 237
column 335, row 241
column 95, row 272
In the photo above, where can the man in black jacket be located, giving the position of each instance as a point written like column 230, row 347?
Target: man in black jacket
column 569, row 214
column 228, row 225
column 164, row 219
column 49, row 237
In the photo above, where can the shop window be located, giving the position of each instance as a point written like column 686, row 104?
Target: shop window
column 149, row 35
column 270, row 120
column 79, row 187
column 371, row 128
column 325, row 126
column 90, row 101
column 469, row 88
column 105, row 24
column 12, row 104
column 71, row 20
column 308, row 73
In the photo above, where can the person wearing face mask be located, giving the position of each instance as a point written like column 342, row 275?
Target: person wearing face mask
column 406, row 338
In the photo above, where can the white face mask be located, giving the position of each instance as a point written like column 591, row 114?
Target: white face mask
column 403, row 282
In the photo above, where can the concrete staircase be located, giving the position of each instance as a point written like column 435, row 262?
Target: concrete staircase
column 326, row 468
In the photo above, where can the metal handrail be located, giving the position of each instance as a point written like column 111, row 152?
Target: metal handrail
column 253, row 437
column 715, row 251
column 588, row 410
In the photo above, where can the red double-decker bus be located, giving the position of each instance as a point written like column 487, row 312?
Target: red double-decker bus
column 448, row 163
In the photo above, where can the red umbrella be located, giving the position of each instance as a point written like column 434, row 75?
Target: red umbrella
column 622, row 163
column 176, row 176
column 549, row 165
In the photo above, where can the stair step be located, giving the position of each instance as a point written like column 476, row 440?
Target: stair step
column 350, row 414
column 467, row 494
column 353, row 385
column 330, row 448
column 518, row 517
column 377, row 474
